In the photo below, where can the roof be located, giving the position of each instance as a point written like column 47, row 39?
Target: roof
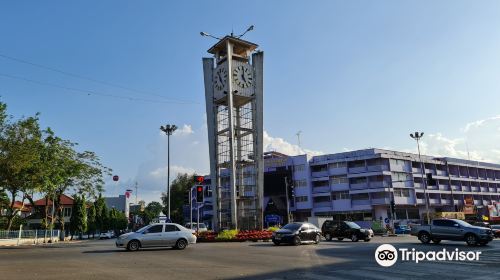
column 240, row 46
column 19, row 204
column 64, row 199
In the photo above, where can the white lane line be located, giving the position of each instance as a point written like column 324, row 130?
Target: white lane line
column 367, row 275
column 394, row 270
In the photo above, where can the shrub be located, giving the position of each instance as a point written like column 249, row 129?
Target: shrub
column 227, row 234
column 272, row 229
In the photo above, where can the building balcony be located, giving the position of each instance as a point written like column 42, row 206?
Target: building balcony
column 416, row 170
column 418, row 185
column 420, row 201
column 339, row 187
column 484, row 189
column 446, row 201
column 380, row 201
column 434, row 201
column 374, row 168
column 361, row 202
column 319, row 173
column 404, row 200
column 322, row 204
column 441, row 173
column 359, row 186
column 456, row 188
column 337, row 171
column 322, row 189
column 432, row 187
column 475, row 189
column 357, row 169
column 444, row 187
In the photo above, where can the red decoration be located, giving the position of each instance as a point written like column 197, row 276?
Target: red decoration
column 115, row 178
column 199, row 179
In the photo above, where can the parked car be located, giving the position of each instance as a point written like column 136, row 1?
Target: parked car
column 452, row 229
column 200, row 228
column 107, row 235
column 496, row 230
column 402, row 229
column 345, row 229
column 157, row 235
column 297, row 233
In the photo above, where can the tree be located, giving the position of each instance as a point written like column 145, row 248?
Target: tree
column 20, row 158
column 117, row 220
column 181, row 184
column 92, row 220
column 78, row 220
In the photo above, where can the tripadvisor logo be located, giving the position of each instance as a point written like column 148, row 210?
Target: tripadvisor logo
column 386, row 255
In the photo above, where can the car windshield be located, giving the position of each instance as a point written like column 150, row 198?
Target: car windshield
column 462, row 223
column 142, row 229
column 352, row 225
column 292, row 226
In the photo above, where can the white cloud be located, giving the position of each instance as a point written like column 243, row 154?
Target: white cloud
column 161, row 172
column 184, row 130
column 280, row 145
column 479, row 123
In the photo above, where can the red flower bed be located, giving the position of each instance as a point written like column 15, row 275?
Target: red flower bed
column 243, row 235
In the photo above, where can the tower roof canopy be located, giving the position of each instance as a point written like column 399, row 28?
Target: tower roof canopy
column 240, row 47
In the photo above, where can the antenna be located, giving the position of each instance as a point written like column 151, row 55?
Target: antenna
column 205, row 34
column 298, row 136
column 467, row 148
column 136, row 187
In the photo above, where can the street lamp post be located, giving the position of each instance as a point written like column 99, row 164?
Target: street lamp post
column 417, row 136
column 169, row 130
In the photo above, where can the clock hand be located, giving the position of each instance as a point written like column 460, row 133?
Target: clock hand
column 220, row 79
column 243, row 77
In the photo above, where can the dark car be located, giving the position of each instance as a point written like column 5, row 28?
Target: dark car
column 345, row 229
column 297, row 233
column 496, row 230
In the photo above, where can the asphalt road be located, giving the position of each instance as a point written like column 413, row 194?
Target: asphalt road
column 249, row 260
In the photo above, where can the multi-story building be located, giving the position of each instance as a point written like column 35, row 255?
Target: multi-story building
column 120, row 203
column 359, row 185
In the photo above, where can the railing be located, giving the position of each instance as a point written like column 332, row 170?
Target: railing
column 29, row 236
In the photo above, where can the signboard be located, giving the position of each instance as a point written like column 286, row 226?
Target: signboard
column 272, row 219
column 468, row 209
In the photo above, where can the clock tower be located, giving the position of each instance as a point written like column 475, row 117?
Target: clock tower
column 234, row 103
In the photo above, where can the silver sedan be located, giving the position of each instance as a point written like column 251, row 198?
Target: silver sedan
column 157, row 235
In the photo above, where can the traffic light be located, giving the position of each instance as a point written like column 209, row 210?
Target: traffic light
column 430, row 180
column 199, row 179
column 199, row 193
column 393, row 206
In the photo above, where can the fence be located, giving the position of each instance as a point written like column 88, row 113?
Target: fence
column 28, row 236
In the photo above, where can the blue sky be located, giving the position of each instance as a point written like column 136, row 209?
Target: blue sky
column 348, row 74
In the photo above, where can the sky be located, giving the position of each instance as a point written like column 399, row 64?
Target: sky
column 347, row 74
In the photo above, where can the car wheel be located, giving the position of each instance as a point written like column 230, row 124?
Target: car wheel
column 296, row 241
column 424, row 237
column 277, row 243
column 317, row 239
column 181, row 244
column 340, row 239
column 133, row 245
column 328, row 237
column 471, row 239
column 436, row 241
column 354, row 238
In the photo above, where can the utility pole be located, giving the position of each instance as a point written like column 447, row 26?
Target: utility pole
column 169, row 130
column 136, row 187
column 191, row 208
column 417, row 137
column 287, row 201
column 298, row 137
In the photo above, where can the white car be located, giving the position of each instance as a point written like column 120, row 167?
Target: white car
column 157, row 235
column 194, row 226
column 107, row 235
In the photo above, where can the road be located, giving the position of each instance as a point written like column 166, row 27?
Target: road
column 250, row 260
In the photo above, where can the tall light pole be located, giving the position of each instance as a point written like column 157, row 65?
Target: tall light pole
column 169, row 130
column 417, row 136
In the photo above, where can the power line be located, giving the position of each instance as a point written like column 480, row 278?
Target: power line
column 87, row 78
column 90, row 92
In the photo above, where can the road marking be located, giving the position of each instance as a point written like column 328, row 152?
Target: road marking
column 309, row 275
column 392, row 270
column 367, row 274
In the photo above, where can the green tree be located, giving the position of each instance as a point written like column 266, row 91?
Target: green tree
column 92, row 220
column 180, row 185
column 78, row 220
column 20, row 146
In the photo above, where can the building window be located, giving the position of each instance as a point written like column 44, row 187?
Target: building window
column 340, row 195
column 300, row 183
column 67, row 212
column 320, row 184
column 359, row 180
column 402, row 192
column 341, row 164
column 401, row 177
column 321, row 199
column 300, row 167
column 360, row 196
column 301, row 199
column 335, row 180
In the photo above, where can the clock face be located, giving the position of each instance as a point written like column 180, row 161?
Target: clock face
column 220, row 78
column 242, row 76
